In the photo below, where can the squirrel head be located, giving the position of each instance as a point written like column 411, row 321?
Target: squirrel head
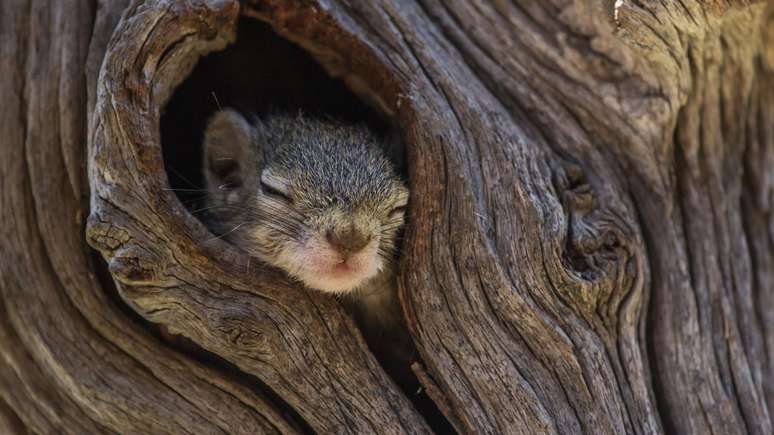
column 315, row 198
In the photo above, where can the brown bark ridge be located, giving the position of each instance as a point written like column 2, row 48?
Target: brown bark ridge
column 591, row 237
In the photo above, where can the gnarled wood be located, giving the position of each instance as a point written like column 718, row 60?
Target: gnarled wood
column 591, row 237
column 72, row 361
column 171, row 269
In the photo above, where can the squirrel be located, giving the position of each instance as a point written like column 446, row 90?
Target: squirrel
column 318, row 199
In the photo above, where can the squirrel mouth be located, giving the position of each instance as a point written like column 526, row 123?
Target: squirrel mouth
column 322, row 268
column 344, row 269
column 341, row 276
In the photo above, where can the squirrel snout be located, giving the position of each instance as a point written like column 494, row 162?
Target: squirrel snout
column 347, row 241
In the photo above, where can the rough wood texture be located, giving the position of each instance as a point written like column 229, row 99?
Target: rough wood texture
column 591, row 247
column 72, row 360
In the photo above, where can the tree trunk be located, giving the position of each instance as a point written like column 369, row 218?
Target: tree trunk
column 590, row 246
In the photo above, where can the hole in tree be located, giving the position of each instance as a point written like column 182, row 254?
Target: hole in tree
column 263, row 73
column 260, row 73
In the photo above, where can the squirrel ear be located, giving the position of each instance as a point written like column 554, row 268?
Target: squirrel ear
column 229, row 151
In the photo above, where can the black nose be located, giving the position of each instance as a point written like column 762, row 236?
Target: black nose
column 347, row 241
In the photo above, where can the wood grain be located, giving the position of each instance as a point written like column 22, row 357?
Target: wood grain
column 591, row 237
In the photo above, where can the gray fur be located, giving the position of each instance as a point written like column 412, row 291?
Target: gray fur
column 339, row 181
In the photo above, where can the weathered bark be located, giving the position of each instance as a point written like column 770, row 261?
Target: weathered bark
column 591, row 236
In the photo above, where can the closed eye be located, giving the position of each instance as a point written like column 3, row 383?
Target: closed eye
column 271, row 191
column 397, row 211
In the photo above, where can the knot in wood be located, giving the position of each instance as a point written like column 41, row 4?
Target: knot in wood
column 594, row 235
column 573, row 188
column 598, row 248
column 594, row 245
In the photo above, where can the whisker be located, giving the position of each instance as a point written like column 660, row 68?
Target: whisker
column 226, row 233
column 283, row 211
column 198, row 210
column 190, row 203
column 180, row 175
column 215, row 97
column 183, row 190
